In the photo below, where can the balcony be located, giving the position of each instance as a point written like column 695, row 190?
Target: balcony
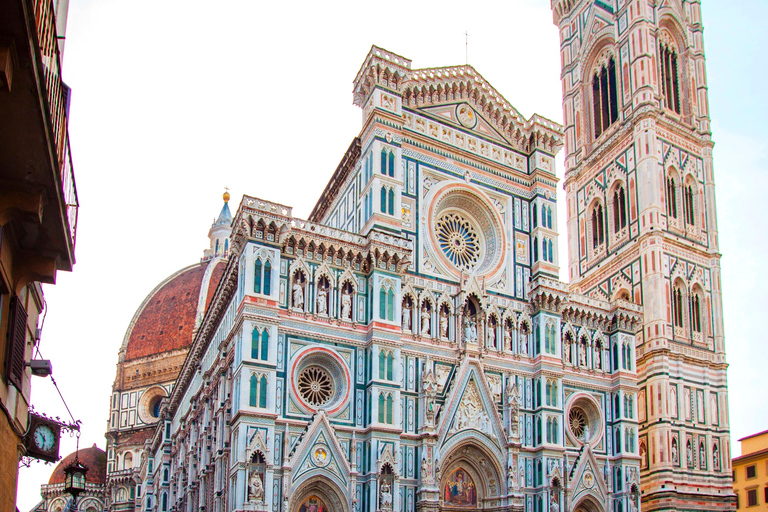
column 38, row 197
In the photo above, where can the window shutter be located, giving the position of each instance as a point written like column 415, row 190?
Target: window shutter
column 17, row 338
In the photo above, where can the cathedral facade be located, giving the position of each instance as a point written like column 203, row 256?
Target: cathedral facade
column 409, row 345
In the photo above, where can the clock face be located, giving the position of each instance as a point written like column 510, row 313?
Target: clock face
column 44, row 438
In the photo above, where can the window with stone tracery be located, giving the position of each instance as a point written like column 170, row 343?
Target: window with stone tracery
column 262, row 277
column 670, row 87
column 386, row 364
column 598, row 225
column 386, row 408
column 619, row 209
column 678, row 311
column 671, row 197
column 604, row 97
column 258, row 391
column 689, row 201
column 260, row 344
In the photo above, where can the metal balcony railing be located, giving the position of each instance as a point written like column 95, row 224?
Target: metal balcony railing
column 45, row 20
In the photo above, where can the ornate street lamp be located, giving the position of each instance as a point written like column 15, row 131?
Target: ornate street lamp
column 74, row 476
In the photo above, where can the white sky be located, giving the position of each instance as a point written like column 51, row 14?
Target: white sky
column 174, row 100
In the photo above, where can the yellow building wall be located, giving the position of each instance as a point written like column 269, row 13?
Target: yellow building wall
column 754, row 453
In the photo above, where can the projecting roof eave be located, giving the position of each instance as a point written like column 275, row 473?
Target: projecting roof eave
column 748, row 456
column 750, row 436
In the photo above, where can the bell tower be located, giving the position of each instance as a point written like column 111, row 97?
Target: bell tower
column 642, row 228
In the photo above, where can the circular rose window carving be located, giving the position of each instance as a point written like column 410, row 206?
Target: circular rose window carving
column 320, row 380
column 315, row 386
column 458, row 240
column 467, row 230
column 579, row 423
column 584, row 420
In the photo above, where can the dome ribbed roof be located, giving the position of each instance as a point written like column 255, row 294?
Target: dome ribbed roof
column 94, row 458
column 166, row 319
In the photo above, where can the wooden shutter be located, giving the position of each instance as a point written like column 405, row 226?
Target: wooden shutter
column 17, row 340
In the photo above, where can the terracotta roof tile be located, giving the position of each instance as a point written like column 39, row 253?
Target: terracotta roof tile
column 94, row 458
column 168, row 317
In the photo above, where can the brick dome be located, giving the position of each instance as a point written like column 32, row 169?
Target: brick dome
column 94, row 458
column 166, row 319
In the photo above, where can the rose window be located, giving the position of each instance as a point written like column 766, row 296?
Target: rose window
column 315, row 385
column 458, row 240
column 578, row 421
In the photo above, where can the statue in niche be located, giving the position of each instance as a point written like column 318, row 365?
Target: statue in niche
column 322, row 300
column 689, row 454
column 554, row 506
column 716, row 458
column 508, row 338
column 298, row 293
column 514, row 406
column 597, row 357
column 406, row 315
column 467, row 330
column 674, row 451
column 524, row 340
column 444, row 323
column 426, row 472
column 492, row 336
column 425, row 320
column 346, row 304
column 510, row 478
column 255, row 487
column 583, row 354
column 429, row 387
column 385, row 496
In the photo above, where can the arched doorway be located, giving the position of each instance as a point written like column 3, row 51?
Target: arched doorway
column 588, row 504
column 470, row 478
column 318, row 494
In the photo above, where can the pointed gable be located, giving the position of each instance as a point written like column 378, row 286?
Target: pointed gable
column 586, row 478
column 470, row 407
column 319, row 452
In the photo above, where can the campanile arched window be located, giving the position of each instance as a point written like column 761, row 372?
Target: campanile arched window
column 619, row 209
column 670, row 87
column 605, row 103
column 598, row 226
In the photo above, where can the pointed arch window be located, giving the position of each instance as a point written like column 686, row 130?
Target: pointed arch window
column 386, row 408
column 598, row 226
column 257, row 276
column 604, row 98
column 696, row 312
column 391, row 202
column 383, row 199
column 688, row 202
column 619, row 209
column 390, row 305
column 534, row 216
column 391, row 164
column 383, row 304
column 535, row 249
column 258, row 391
column 267, row 277
column 549, row 221
column 670, row 87
column 262, row 277
column 671, row 197
column 549, row 250
column 677, row 306
column 384, row 161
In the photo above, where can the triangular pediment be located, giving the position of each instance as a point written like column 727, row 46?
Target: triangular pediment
column 470, row 407
column 465, row 116
column 587, row 477
column 320, row 452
